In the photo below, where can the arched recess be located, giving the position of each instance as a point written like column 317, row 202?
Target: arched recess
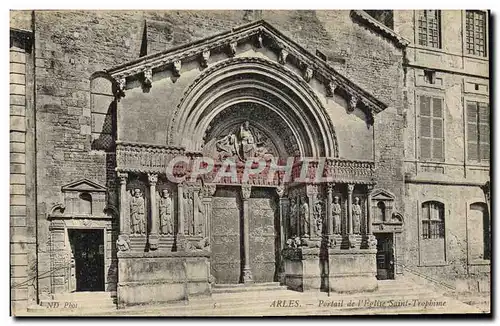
column 238, row 82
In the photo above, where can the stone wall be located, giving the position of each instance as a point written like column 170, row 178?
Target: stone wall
column 22, row 227
column 456, row 181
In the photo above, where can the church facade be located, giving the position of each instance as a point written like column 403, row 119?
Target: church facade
column 155, row 155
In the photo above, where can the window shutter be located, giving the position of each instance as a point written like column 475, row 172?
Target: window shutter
column 425, row 128
column 472, row 135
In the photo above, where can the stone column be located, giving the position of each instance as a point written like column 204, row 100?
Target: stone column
column 350, row 189
column 283, row 202
column 369, row 211
column 280, row 191
column 123, row 242
column 124, row 218
column 153, row 236
column 180, row 215
column 247, row 272
column 311, row 193
column 329, row 201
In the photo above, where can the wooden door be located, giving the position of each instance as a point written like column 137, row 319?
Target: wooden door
column 225, row 236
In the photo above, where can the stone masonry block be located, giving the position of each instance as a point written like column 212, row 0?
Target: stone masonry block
column 17, row 100
column 17, row 123
column 18, row 68
column 17, row 110
column 17, row 79
column 16, row 89
column 17, row 57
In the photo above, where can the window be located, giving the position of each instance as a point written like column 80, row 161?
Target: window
column 380, row 216
column 432, row 220
column 85, row 204
column 431, row 128
column 478, row 131
column 475, row 26
column 429, row 25
column 479, row 231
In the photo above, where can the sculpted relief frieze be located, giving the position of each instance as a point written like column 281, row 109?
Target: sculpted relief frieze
column 248, row 130
column 246, row 142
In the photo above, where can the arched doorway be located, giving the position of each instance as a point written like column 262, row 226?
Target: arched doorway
column 251, row 108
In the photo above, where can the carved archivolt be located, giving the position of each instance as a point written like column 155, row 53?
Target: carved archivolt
column 293, row 89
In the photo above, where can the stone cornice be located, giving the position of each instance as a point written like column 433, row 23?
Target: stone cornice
column 362, row 17
column 261, row 34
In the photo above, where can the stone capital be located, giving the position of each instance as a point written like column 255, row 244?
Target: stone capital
column 311, row 190
column 152, row 178
column 246, row 190
column 350, row 188
column 209, row 190
column 280, row 190
column 123, row 176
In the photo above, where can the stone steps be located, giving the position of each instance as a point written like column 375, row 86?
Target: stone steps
column 253, row 301
column 237, row 288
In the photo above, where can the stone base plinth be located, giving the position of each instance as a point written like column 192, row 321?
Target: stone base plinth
column 303, row 268
column 334, row 270
column 157, row 277
column 352, row 270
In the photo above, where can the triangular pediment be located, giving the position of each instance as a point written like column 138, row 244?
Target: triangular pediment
column 259, row 34
column 83, row 185
column 381, row 194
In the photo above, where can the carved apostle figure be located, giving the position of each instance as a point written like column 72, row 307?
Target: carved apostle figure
column 336, row 211
column 201, row 212
column 305, row 216
column 356, row 216
column 188, row 213
column 318, row 217
column 137, row 217
column 166, row 221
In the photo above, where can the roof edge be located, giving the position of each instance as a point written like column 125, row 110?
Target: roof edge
column 367, row 20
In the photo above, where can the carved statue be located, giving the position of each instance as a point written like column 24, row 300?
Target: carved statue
column 356, row 216
column 245, row 143
column 318, row 217
column 227, row 146
column 122, row 243
column 188, row 213
column 293, row 242
column 166, row 220
column 247, row 140
column 137, row 217
column 305, row 216
column 336, row 211
column 203, row 244
column 201, row 212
